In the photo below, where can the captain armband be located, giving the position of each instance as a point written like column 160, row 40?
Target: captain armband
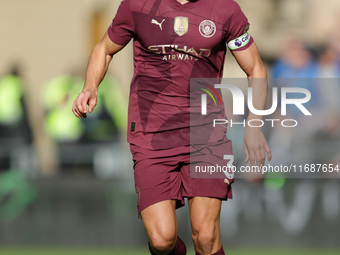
column 239, row 42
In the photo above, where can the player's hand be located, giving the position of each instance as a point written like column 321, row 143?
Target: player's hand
column 255, row 147
column 84, row 98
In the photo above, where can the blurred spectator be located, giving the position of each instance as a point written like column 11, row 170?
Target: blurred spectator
column 296, row 61
column 295, row 68
column 107, row 120
column 329, row 67
column 329, row 61
column 11, row 92
column 59, row 123
column 14, row 128
column 78, row 140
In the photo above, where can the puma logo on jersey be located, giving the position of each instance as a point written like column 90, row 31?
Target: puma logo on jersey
column 153, row 21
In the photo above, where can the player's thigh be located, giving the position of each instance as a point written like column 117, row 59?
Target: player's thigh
column 160, row 221
column 205, row 218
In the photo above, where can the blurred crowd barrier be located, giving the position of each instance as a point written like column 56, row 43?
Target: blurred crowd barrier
column 83, row 211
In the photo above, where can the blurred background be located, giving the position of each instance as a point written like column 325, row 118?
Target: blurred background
column 66, row 182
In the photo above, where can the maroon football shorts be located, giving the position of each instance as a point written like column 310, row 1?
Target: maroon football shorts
column 165, row 174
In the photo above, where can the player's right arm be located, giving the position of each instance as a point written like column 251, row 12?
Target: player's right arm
column 98, row 64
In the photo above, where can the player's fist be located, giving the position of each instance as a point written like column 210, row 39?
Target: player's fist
column 84, row 98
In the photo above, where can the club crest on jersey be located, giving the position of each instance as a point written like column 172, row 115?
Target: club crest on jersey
column 181, row 25
column 207, row 28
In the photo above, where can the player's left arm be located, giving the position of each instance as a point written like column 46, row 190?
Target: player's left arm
column 255, row 144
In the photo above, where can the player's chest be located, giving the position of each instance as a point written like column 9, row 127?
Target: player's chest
column 161, row 34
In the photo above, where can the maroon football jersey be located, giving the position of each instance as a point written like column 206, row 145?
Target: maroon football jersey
column 173, row 43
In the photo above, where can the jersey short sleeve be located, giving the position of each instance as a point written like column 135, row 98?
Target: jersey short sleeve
column 122, row 29
column 236, row 30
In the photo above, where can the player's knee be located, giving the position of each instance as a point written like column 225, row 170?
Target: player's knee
column 163, row 244
column 194, row 236
column 204, row 238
